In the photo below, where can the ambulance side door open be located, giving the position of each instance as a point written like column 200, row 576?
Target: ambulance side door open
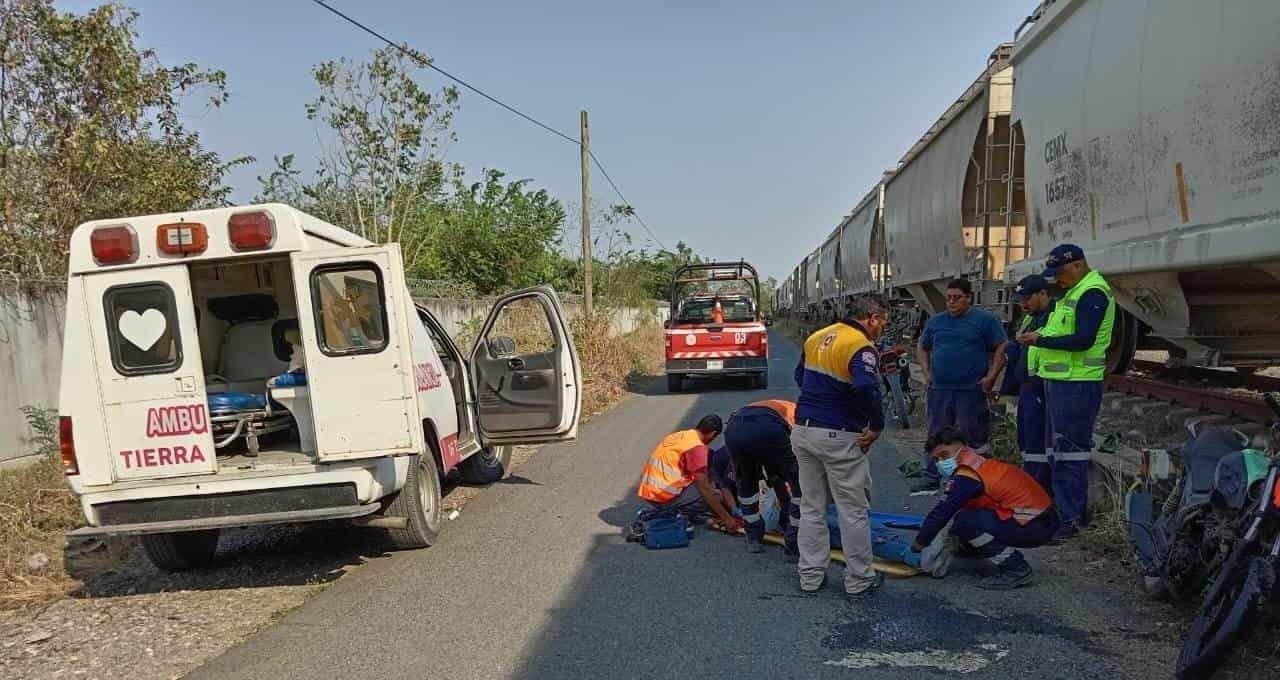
column 143, row 329
column 525, row 371
column 354, row 315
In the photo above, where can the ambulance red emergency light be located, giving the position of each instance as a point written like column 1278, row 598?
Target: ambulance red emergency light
column 256, row 365
column 715, row 326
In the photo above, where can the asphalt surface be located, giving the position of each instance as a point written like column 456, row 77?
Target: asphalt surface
column 534, row 580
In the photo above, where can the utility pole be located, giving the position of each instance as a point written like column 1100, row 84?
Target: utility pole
column 587, row 307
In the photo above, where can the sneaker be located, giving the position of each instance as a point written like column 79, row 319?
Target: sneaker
column 755, row 546
column 1008, row 578
column 862, row 595
column 811, row 590
column 936, row 557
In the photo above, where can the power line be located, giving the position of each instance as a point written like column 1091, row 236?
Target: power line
column 431, row 65
column 618, row 191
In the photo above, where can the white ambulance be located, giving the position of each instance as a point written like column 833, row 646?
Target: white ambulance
column 255, row 365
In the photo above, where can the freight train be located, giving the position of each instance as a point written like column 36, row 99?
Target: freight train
column 1146, row 133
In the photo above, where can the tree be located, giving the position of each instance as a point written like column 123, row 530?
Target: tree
column 89, row 129
column 380, row 172
column 499, row 236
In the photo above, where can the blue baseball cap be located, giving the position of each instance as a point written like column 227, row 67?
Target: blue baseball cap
column 1028, row 286
column 1059, row 256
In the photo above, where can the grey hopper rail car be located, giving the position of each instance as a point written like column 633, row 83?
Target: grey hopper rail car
column 1147, row 133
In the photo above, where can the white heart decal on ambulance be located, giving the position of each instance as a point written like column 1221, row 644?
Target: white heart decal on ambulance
column 143, row 330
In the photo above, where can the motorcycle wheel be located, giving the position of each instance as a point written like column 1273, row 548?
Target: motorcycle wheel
column 1227, row 614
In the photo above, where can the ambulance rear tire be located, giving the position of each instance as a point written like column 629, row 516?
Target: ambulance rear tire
column 181, row 551
column 675, row 382
column 762, row 381
column 418, row 503
column 486, row 466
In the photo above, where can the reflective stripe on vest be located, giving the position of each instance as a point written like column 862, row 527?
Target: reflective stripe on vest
column 662, row 479
column 1006, row 489
column 1091, row 363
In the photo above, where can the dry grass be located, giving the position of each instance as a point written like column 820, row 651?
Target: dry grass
column 36, row 511
column 612, row 362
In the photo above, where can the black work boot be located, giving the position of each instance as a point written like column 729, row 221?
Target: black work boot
column 1013, row 573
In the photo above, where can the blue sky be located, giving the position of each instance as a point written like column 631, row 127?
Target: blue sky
column 745, row 129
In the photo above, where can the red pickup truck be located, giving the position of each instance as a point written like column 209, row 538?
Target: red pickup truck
column 716, row 328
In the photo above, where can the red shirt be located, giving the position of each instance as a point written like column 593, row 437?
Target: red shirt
column 694, row 461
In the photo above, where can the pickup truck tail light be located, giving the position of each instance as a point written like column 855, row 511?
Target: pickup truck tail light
column 67, row 445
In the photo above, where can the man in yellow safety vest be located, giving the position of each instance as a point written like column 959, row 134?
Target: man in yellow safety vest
column 1070, row 355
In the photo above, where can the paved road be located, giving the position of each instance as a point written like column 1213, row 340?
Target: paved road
column 534, row 580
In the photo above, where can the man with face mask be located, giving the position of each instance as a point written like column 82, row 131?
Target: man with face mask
column 837, row 419
column 994, row 507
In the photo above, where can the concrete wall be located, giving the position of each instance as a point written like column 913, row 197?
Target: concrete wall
column 31, row 327
column 31, row 322
column 454, row 315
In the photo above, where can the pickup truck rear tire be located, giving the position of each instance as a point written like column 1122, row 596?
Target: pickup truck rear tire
column 182, row 550
column 486, row 466
column 419, row 504
column 675, row 382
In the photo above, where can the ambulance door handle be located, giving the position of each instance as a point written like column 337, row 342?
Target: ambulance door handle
column 516, row 364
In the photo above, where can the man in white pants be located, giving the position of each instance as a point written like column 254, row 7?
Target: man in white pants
column 838, row 417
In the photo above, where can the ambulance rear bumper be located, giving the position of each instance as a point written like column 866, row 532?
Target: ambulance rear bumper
column 228, row 521
column 306, row 493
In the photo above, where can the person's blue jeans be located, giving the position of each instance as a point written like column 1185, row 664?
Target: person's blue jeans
column 965, row 410
column 1072, row 408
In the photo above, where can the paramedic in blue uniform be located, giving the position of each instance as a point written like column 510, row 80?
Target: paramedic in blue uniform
column 1071, row 357
column 838, row 417
column 1032, row 295
column 961, row 351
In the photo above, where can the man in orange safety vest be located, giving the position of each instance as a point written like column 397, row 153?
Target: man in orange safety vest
column 993, row 506
column 675, row 476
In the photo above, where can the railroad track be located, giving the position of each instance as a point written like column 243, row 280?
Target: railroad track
column 1157, row 383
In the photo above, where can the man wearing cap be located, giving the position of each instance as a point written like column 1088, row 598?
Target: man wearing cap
column 1020, row 380
column 1071, row 357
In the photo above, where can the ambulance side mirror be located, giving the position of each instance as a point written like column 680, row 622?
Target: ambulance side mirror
column 666, row 323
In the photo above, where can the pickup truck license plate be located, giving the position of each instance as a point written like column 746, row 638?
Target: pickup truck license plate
column 715, row 364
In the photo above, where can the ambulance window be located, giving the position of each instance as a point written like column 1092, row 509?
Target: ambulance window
column 142, row 327
column 351, row 313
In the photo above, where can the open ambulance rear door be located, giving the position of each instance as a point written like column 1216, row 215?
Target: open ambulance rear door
column 528, row 381
column 354, row 315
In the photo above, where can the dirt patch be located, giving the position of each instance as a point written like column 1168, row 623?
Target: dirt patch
column 99, row 609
